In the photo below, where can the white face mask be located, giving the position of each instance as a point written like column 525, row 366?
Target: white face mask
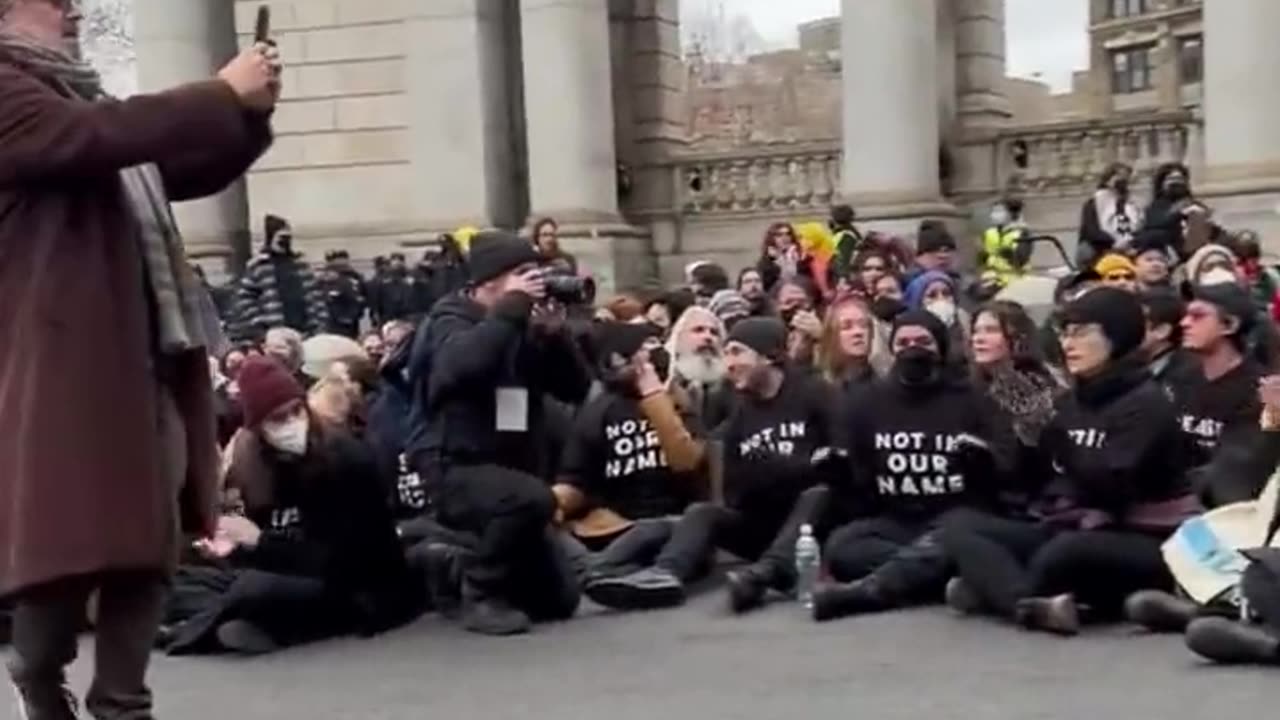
column 1216, row 276
column 999, row 216
column 944, row 310
column 289, row 436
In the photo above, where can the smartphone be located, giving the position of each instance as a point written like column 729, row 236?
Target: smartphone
column 262, row 27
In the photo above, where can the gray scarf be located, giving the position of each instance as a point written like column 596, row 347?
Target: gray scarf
column 1028, row 398
column 185, row 315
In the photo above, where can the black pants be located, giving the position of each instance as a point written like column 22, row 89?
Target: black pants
column 46, row 624
column 517, row 557
column 904, row 560
column 290, row 609
column 769, row 537
column 1006, row 560
column 632, row 549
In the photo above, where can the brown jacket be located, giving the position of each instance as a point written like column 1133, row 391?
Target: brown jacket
column 82, row 489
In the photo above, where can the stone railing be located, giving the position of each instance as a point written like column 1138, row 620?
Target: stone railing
column 1067, row 159
column 758, row 180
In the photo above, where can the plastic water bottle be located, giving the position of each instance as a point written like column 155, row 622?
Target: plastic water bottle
column 808, row 562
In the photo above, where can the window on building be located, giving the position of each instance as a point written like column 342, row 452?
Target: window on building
column 1131, row 69
column 1191, row 60
column 1128, row 8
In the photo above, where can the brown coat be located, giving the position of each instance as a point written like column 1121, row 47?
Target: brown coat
column 81, row 484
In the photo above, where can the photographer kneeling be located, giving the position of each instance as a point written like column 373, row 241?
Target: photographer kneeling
column 494, row 351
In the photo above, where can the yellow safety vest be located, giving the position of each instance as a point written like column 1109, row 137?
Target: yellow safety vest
column 997, row 247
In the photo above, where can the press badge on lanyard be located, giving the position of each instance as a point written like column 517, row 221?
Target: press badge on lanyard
column 512, row 410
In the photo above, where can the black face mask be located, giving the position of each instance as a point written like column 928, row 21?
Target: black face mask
column 1122, row 187
column 887, row 308
column 661, row 360
column 1177, row 191
column 915, row 367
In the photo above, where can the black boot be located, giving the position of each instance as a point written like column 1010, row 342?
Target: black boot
column 855, row 598
column 442, row 566
column 245, row 638
column 490, row 615
column 748, row 586
column 1058, row 615
column 46, row 701
column 1231, row 641
column 1159, row 611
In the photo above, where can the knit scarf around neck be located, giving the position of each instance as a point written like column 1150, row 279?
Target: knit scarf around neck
column 184, row 315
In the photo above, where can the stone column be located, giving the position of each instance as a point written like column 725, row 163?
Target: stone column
column 182, row 42
column 569, row 110
column 890, row 125
column 569, row 119
column 461, row 109
column 980, row 63
column 1241, row 137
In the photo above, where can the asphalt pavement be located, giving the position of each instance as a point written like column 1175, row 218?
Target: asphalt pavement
column 699, row 662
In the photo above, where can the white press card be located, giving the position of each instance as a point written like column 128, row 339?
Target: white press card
column 512, row 410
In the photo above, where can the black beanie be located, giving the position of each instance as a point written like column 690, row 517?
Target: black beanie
column 273, row 224
column 933, row 236
column 1119, row 314
column 765, row 335
column 494, row 252
column 624, row 339
column 1232, row 301
column 926, row 320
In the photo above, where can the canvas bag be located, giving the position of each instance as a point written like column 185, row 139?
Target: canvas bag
column 1204, row 553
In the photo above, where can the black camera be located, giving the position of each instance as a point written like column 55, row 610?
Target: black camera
column 569, row 289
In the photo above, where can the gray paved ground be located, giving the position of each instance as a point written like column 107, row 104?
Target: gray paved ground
column 698, row 663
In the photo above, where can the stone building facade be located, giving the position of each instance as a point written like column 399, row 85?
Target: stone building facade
column 405, row 118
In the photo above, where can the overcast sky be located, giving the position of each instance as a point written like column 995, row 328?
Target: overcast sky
column 1045, row 37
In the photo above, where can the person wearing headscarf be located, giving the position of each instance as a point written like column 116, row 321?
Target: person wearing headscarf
column 1121, row 490
column 107, row 431
column 1117, row 270
column 937, row 292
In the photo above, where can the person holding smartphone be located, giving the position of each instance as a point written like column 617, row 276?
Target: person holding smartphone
column 106, row 409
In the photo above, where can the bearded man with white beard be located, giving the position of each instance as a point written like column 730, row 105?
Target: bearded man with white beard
column 696, row 349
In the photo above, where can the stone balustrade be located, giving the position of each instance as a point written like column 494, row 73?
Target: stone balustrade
column 1067, row 159
column 758, row 180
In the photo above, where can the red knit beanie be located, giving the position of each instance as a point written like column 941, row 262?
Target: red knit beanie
column 265, row 385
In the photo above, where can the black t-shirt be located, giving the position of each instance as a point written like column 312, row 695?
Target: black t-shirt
column 614, row 457
column 769, row 443
column 1208, row 409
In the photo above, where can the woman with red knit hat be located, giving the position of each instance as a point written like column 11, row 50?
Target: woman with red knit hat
column 315, row 553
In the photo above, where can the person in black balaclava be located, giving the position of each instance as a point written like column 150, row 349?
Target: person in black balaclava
column 780, row 422
column 278, row 289
column 921, row 443
column 344, row 294
column 1122, row 488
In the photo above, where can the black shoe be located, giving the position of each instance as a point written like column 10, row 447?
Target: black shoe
column 748, row 586
column 961, row 597
column 1159, row 611
column 443, row 564
column 855, row 598
column 1058, row 615
column 1231, row 641
column 242, row 636
column 54, row 702
column 646, row 589
column 487, row 616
